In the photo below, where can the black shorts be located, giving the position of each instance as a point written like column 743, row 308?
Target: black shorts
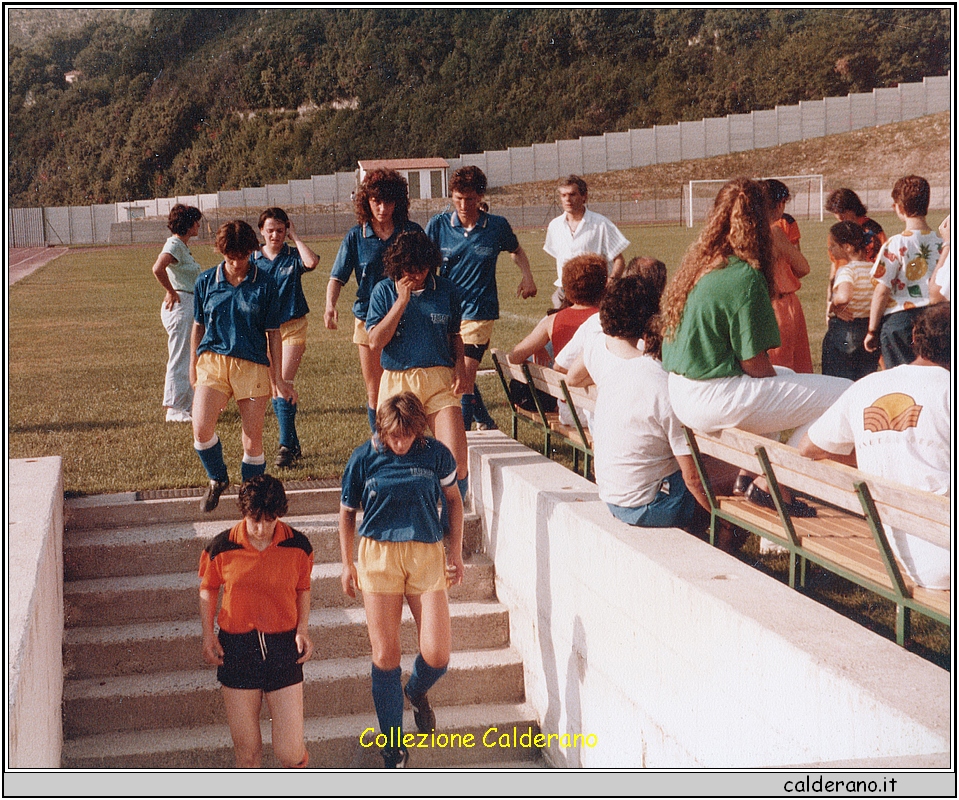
column 254, row 660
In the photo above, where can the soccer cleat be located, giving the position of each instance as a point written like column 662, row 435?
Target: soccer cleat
column 211, row 497
column 285, row 456
column 422, row 713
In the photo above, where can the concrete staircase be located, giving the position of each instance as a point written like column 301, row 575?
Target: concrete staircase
column 138, row 695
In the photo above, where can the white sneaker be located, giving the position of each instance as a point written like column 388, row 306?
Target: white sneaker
column 175, row 415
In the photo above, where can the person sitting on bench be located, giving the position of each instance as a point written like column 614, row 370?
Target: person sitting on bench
column 897, row 422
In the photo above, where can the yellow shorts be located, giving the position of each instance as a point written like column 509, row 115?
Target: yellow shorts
column 432, row 385
column 234, row 377
column 400, row 567
column 294, row 332
column 360, row 336
column 476, row 331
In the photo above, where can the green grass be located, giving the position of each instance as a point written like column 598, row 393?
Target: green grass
column 87, row 355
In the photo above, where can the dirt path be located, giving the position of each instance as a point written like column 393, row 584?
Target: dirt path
column 24, row 260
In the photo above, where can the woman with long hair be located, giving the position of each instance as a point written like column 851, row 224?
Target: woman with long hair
column 718, row 323
column 382, row 207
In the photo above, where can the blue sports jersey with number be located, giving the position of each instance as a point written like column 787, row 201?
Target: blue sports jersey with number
column 398, row 494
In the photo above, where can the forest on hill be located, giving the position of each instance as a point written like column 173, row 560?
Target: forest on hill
column 196, row 100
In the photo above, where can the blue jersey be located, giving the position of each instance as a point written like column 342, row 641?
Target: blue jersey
column 423, row 337
column 236, row 318
column 361, row 254
column 469, row 258
column 398, row 494
column 286, row 270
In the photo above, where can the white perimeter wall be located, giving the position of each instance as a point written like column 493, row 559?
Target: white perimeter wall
column 676, row 655
column 35, row 613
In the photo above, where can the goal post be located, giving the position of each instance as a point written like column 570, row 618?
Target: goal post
column 806, row 198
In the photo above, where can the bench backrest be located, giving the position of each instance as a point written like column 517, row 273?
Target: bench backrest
column 546, row 380
column 922, row 514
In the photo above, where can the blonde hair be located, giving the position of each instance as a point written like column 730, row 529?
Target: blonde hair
column 738, row 225
column 402, row 413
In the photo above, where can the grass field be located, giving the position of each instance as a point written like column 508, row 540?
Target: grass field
column 87, row 355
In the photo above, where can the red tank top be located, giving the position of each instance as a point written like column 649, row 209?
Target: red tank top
column 566, row 323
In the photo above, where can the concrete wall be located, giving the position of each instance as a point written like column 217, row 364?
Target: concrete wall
column 674, row 654
column 35, row 612
column 660, row 144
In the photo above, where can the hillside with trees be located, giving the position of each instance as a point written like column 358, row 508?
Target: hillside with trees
column 190, row 101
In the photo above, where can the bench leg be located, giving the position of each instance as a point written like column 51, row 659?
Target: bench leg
column 903, row 625
column 802, row 572
column 792, row 570
column 515, row 426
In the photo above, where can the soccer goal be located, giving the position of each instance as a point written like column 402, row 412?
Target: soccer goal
column 805, row 197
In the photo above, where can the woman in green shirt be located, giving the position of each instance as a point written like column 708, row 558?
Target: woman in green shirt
column 719, row 323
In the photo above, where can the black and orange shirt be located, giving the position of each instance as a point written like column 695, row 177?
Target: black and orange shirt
column 259, row 586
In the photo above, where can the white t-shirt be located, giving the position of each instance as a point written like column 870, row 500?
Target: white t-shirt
column 898, row 421
column 904, row 265
column 594, row 234
column 635, row 432
column 943, row 278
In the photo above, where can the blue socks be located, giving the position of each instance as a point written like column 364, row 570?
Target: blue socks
column 211, row 456
column 252, row 466
column 286, row 420
column 467, row 406
column 423, row 677
column 388, row 701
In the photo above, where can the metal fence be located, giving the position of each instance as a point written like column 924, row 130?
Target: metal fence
column 324, row 200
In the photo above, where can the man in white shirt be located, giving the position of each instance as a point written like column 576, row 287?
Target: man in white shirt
column 578, row 230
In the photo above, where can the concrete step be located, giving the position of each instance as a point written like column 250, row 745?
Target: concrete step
column 173, row 596
column 164, row 548
column 333, row 742
column 166, row 646
column 332, row 687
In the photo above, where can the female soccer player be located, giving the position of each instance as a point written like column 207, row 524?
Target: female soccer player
column 397, row 478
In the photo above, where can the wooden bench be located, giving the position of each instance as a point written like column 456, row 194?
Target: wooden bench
column 553, row 383
column 847, row 537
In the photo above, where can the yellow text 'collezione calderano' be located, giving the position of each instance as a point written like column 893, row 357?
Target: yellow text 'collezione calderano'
column 493, row 737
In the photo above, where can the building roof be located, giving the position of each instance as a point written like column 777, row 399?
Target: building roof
column 404, row 163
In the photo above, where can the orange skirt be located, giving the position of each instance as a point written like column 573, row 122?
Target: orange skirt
column 794, row 351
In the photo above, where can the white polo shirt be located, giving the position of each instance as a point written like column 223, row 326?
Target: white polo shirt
column 594, row 234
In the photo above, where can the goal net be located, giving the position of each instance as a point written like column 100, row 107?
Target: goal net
column 805, row 197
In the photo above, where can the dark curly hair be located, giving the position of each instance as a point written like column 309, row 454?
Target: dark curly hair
column 412, row 251
column 776, row 192
column 932, row 334
column 651, row 270
column 584, row 279
column 843, row 200
column 469, row 178
column 630, row 310
column 387, row 186
column 262, row 496
column 182, row 218
column 236, row 239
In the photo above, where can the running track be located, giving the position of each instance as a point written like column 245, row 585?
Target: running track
column 24, row 260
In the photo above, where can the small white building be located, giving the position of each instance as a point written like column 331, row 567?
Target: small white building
column 427, row 177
